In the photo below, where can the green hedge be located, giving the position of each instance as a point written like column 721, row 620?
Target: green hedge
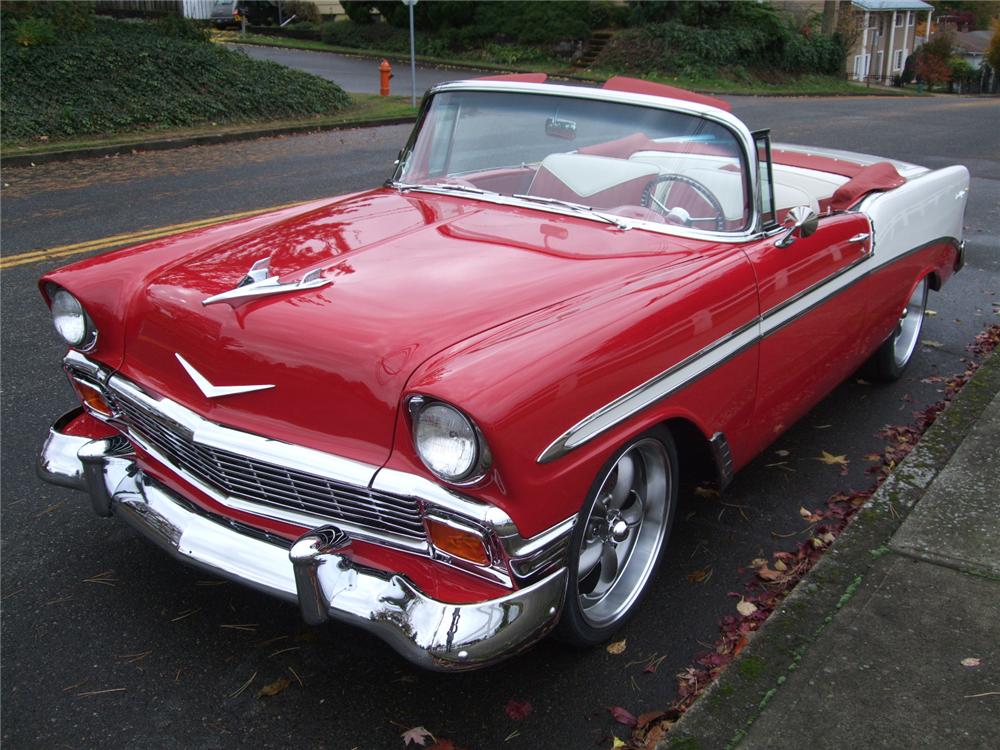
column 676, row 48
column 125, row 76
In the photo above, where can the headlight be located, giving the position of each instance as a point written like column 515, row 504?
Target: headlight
column 447, row 441
column 71, row 321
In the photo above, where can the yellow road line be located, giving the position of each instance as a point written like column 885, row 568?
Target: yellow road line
column 116, row 240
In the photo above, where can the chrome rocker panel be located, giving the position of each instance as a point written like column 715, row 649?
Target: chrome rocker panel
column 327, row 585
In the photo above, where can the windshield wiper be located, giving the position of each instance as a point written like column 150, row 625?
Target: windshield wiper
column 450, row 186
column 589, row 210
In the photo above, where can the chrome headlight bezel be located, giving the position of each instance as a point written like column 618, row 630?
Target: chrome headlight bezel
column 64, row 305
column 480, row 460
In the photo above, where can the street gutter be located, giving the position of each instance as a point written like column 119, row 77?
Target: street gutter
column 721, row 717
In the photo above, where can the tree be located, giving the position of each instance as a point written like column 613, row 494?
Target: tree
column 933, row 63
column 993, row 52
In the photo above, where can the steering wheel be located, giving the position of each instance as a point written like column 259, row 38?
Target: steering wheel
column 678, row 214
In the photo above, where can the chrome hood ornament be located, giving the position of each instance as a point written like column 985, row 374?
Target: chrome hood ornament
column 257, row 283
column 215, row 391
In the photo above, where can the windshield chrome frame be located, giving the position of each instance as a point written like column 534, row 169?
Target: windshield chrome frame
column 740, row 132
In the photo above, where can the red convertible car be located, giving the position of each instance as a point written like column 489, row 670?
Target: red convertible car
column 454, row 410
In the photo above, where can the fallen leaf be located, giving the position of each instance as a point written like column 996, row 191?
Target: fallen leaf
column 783, row 453
column 699, row 576
column 622, row 716
column 827, row 537
column 709, row 492
column 274, row 688
column 766, row 574
column 616, row 743
column 862, row 381
column 931, row 344
column 647, row 718
column 746, row 608
column 930, row 313
column 758, row 562
column 779, row 565
column 971, row 661
column 831, row 460
column 518, row 710
column 809, row 515
column 417, row 735
column 618, row 647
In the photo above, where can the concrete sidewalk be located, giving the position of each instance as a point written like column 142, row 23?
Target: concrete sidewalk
column 893, row 639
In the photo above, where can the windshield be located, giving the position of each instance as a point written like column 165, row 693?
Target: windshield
column 624, row 160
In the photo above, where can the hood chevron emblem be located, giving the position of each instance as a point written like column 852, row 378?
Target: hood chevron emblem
column 215, row 391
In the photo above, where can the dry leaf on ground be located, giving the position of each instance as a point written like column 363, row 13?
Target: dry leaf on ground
column 273, row 688
column 831, row 460
column 417, row 736
column 746, row 608
column 618, row 647
column 971, row 661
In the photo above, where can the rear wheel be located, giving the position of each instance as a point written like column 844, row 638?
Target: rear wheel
column 895, row 353
column 619, row 537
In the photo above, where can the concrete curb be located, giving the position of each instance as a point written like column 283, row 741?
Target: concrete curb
column 721, row 717
column 164, row 144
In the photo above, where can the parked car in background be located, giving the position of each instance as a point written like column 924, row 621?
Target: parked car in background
column 454, row 410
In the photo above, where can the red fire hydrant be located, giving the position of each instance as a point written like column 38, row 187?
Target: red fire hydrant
column 385, row 73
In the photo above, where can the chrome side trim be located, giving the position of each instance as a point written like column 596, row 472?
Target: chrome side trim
column 653, row 390
column 720, row 351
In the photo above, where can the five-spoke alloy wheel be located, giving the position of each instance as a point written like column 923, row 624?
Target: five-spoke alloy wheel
column 619, row 536
column 895, row 353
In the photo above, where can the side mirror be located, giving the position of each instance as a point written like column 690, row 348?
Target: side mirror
column 802, row 221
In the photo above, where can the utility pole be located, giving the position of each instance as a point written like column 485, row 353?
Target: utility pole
column 413, row 55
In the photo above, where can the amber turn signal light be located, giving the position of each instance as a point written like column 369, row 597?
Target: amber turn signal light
column 92, row 398
column 457, row 542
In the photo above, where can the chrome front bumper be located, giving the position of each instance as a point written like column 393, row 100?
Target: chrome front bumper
column 326, row 584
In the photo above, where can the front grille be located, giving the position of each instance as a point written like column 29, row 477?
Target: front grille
column 269, row 484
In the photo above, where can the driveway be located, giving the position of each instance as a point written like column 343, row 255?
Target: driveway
column 356, row 74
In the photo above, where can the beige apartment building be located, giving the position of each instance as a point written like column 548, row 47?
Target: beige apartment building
column 882, row 33
column 888, row 36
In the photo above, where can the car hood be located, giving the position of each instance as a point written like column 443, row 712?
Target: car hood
column 410, row 274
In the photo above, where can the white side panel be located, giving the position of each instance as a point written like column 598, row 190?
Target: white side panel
column 926, row 208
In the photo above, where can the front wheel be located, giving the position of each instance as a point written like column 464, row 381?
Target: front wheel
column 619, row 537
column 890, row 360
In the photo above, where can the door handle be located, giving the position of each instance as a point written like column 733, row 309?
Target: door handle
column 860, row 237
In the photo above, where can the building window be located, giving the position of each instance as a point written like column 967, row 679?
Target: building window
column 910, row 17
column 899, row 19
column 899, row 58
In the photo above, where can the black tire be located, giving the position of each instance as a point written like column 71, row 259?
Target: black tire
column 890, row 360
column 595, row 608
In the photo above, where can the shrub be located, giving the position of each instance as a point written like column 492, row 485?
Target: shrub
column 130, row 76
column 380, row 36
column 304, row 11
column 33, row 32
column 675, row 47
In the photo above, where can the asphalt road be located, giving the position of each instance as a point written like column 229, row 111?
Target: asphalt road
column 357, row 74
column 106, row 641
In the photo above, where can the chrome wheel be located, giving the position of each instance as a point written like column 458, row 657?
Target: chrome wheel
column 624, row 532
column 904, row 341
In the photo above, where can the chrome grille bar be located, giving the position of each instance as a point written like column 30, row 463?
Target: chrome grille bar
column 265, row 483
